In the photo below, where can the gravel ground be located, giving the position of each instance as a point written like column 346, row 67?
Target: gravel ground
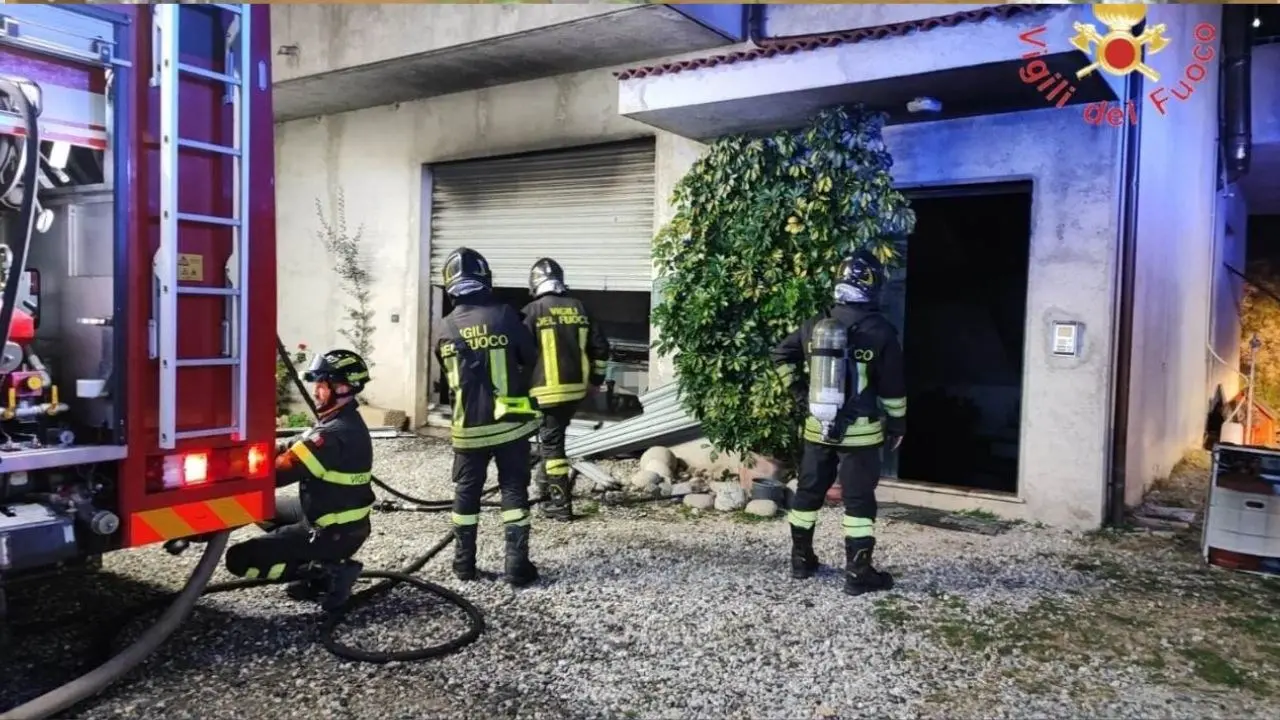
column 650, row 612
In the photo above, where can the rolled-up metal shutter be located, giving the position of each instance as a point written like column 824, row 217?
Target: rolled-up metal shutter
column 591, row 209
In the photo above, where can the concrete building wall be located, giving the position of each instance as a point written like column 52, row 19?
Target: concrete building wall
column 1177, row 229
column 1066, row 406
column 335, row 36
column 375, row 158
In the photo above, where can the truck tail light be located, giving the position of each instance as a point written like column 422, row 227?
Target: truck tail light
column 259, row 462
column 201, row 467
column 195, row 468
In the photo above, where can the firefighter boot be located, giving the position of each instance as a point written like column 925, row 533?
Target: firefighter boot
column 540, row 481
column 859, row 575
column 342, row 578
column 464, row 551
column 519, row 571
column 310, row 585
column 803, row 561
column 558, row 504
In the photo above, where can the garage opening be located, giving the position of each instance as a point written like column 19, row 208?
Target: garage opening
column 961, row 306
column 591, row 208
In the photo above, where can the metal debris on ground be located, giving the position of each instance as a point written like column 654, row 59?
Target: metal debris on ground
column 663, row 422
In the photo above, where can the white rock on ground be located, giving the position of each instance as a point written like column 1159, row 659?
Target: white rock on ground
column 682, row 488
column 700, row 501
column 730, row 497
column 762, row 508
column 600, row 637
column 660, row 460
column 644, row 481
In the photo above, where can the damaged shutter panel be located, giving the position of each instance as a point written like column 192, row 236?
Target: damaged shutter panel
column 591, row 209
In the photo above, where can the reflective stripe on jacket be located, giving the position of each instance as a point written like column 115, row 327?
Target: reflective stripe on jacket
column 487, row 354
column 573, row 352
column 333, row 462
column 876, row 392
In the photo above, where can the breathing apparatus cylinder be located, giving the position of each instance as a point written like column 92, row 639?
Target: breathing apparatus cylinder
column 828, row 359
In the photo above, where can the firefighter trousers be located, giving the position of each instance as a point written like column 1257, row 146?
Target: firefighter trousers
column 553, row 469
column 858, row 470
column 471, row 469
column 291, row 544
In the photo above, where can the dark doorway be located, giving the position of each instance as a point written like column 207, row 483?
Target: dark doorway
column 964, row 322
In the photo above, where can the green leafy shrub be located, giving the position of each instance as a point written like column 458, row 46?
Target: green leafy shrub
column 760, row 225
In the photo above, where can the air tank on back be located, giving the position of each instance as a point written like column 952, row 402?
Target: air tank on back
column 827, row 362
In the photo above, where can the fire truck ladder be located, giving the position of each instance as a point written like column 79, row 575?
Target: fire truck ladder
column 167, row 73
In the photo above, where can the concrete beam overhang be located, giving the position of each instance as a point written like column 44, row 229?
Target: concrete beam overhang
column 972, row 69
column 628, row 35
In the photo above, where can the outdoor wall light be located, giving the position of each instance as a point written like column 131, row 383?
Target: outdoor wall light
column 924, row 104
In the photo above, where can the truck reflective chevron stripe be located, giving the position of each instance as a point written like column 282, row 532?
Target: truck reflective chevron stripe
column 860, row 433
column 317, row 468
column 274, row 572
column 195, row 518
column 856, row 527
column 515, row 517
column 499, row 433
column 557, row 466
column 804, row 519
column 894, row 407
column 343, row 517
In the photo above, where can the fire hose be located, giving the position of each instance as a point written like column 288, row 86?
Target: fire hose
column 181, row 605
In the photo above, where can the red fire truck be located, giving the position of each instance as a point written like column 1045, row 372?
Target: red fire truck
column 139, row 278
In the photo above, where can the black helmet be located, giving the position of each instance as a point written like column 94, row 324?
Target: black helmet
column 462, row 265
column 339, row 366
column 546, row 270
column 863, row 273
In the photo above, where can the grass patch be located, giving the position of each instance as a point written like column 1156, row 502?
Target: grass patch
column 587, row 508
column 1214, row 669
column 890, row 611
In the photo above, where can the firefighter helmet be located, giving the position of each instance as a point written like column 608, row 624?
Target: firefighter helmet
column 546, row 276
column 339, row 367
column 466, row 271
column 860, row 278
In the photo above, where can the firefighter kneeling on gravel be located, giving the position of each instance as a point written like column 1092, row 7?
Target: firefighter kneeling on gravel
column 854, row 367
column 487, row 355
column 313, row 536
column 573, row 359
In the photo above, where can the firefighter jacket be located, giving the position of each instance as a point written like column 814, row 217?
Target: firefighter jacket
column 574, row 351
column 874, row 381
column 333, row 462
column 487, row 355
